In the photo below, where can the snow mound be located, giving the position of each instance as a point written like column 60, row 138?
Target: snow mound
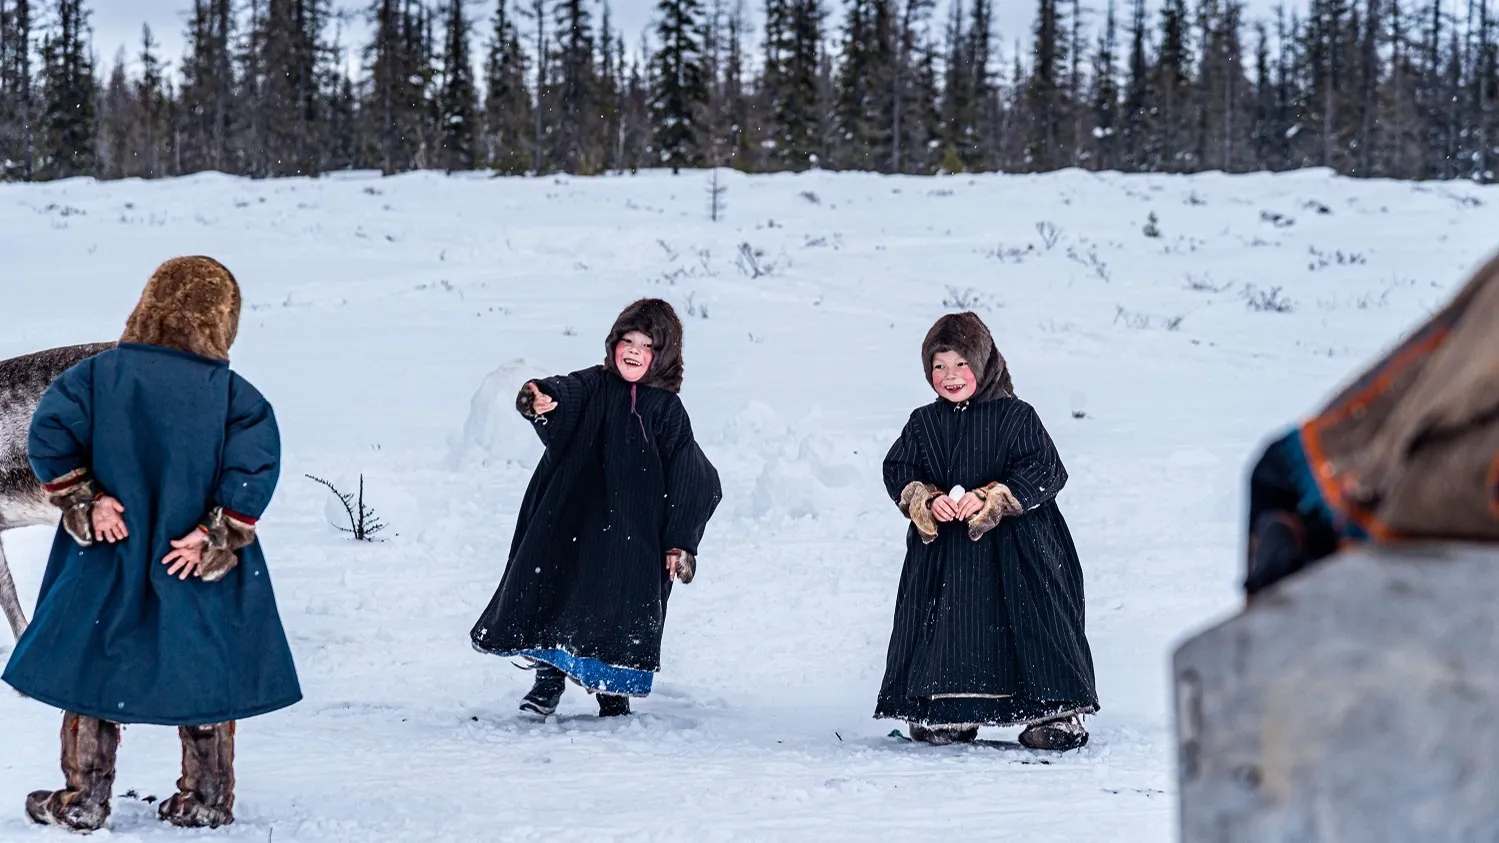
column 806, row 472
column 494, row 433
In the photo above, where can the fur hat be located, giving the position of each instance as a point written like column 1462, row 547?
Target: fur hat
column 657, row 320
column 190, row 304
column 967, row 335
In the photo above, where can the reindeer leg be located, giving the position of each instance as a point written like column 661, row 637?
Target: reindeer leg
column 9, row 600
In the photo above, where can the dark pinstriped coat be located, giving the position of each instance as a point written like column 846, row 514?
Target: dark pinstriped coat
column 622, row 481
column 987, row 632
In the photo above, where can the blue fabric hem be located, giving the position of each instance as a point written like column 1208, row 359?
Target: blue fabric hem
column 591, row 673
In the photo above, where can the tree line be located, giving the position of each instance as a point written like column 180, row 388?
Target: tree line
column 1369, row 88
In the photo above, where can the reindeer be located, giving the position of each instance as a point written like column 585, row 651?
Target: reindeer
column 22, row 501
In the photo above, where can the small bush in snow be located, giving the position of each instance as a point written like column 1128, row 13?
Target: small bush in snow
column 752, row 262
column 965, row 299
column 1144, row 321
column 811, row 197
column 1321, row 259
column 695, row 309
column 1269, row 300
column 363, row 522
column 1277, row 220
column 1049, row 233
column 1318, row 207
column 716, row 192
column 1152, row 226
column 1204, row 284
column 1010, row 254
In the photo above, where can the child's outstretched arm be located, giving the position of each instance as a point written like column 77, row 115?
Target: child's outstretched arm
column 553, row 405
column 907, row 484
column 1035, row 475
column 249, row 470
column 59, row 445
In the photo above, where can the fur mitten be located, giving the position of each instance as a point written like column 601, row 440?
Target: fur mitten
column 999, row 501
column 686, row 565
column 525, row 402
column 227, row 533
column 74, row 494
column 916, row 504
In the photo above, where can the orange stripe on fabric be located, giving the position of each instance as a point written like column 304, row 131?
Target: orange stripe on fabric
column 1493, row 483
column 1311, row 433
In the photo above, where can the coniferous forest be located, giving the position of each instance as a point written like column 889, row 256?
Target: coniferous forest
column 1374, row 88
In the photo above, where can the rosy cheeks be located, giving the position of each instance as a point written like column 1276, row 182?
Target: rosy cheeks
column 632, row 361
column 954, row 382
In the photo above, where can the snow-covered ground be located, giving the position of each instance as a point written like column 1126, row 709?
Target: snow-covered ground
column 391, row 320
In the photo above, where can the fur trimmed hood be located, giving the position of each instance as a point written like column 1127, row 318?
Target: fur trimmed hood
column 656, row 319
column 191, row 304
column 966, row 334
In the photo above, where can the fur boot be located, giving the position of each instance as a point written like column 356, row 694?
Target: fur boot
column 916, row 504
column 89, row 746
column 205, row 793
column 942, row 735
column 1059, row 735
column 546, row 691
column 999, row 502
column 227, row 532
column 613, row 705
column 74, row 494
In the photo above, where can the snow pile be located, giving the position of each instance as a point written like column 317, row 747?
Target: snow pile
column 806, row 472
column 494, row 433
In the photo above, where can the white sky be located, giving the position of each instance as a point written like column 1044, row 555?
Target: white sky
column 117, row 23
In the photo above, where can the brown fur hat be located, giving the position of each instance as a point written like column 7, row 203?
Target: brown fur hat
column 966, row 334
column 190, row 304
column 657, row 320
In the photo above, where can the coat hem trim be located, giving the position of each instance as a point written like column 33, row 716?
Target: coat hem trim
column 1034, row 721
column 127, row 717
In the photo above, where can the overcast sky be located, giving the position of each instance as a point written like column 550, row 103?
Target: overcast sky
column 117, row 23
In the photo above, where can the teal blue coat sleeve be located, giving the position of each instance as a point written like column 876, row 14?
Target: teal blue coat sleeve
column 60, row 441
column 251, row 463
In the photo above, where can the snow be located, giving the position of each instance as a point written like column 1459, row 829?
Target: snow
column 392, row 321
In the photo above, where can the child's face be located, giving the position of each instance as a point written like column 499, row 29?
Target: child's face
column 633, row 355
column 952, row 378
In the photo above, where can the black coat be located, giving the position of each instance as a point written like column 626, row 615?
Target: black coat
column 621, row 483
column 987, row 632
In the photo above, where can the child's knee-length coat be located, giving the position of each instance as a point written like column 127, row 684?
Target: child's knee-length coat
column 987, row 632
column 171, row 435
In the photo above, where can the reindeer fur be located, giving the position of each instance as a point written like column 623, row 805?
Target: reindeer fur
column 23, row 503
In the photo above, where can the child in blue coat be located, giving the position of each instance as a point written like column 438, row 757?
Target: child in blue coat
column 156, row 605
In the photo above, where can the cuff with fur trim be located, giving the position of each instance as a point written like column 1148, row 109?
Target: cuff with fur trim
column 999, row 502
column 74, row 494
column 686, row 565
column 227, row 532
column 916, row 504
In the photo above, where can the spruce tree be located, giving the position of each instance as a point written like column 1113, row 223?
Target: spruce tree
column 69, row 96
column 508, row 135
column 17, row 92
column 457, row 100
column 680, row 96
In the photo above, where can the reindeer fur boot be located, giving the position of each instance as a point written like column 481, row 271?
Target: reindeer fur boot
column 205, row 793
column 89, row 746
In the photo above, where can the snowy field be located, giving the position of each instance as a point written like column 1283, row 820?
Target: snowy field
column 392, row 320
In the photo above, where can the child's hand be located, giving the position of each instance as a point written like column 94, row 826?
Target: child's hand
column 187, row 553
column 944, row 509
column 968, row 506
column 108, row 525
column 541, row 403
